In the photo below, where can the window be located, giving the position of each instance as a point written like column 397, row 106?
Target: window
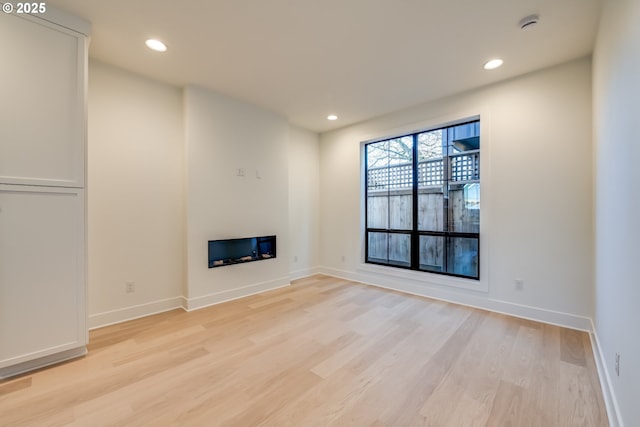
column 422, row 197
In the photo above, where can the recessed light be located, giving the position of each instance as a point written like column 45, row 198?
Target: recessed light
column 494, row 63
column 156, row 45
column 332, row 117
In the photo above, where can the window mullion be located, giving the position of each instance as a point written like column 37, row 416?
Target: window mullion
column 446, row 176
column 415, row 238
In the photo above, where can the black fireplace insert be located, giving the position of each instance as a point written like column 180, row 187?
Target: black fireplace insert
column 237, row 251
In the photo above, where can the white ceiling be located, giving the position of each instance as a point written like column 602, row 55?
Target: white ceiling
column 358, row 59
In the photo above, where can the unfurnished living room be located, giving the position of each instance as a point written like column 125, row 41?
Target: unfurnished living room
column 319, row 213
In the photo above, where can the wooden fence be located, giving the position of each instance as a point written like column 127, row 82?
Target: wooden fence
column 389, row 206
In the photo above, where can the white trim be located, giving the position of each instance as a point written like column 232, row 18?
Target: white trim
column 608, row 393
column 476, row 300
column 305, row 272
column 120, row 315
column 232, row 294
column 57, row 17
column 424, row 277
column 42, row 362
column 64, row 19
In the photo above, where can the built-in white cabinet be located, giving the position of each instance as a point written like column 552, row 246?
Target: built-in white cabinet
column 42, row 119
column 42, row 194
column 42, row 298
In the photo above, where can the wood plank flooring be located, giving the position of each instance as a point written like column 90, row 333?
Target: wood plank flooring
column 322, row 352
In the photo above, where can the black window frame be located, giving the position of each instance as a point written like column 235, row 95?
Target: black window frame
column 415, row 233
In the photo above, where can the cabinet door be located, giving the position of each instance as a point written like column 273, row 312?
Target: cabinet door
column 42, row 106
column 42, row 272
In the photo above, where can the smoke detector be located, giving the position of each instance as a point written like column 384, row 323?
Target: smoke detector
column 529, row 22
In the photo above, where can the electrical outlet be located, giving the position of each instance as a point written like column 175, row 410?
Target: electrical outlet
column 618, row 364
column 130, row 287
column 342, row 258
column 519, row 284
column 295, row 258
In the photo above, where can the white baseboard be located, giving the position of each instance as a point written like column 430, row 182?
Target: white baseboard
column 42, row 362
column 306, row 272
column 134, row 312
column 120, row 315
column 610, row 401
column 232, row 294
column 471, row 299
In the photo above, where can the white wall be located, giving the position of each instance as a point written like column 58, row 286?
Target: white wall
column 617, row 201
column 163, row 180
column 536, row 196
column 135, row 190
column 304, row 202
column 224, row 135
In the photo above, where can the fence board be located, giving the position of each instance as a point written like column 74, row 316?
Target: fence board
column 394, row 208
column 461, row 218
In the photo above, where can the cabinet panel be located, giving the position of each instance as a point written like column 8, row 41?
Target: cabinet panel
column 42, row 108
column 42, row 273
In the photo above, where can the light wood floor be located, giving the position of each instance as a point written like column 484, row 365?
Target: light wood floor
column 322, row 352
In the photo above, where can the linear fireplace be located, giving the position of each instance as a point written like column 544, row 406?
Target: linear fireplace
column 236, row 251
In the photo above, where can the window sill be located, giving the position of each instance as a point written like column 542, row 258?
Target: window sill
column 425, row 278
